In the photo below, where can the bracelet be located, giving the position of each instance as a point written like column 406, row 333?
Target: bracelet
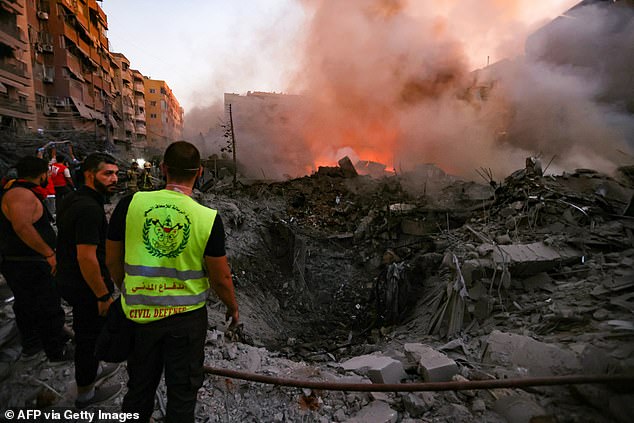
column 52, row 254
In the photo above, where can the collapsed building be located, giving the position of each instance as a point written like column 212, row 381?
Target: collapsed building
column 343, row 277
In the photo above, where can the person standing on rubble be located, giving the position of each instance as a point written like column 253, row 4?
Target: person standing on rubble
column 27, row 245
column 147, row 180
column 83, row 277
column 61, row 178
column 163, row 250
column 133, row 176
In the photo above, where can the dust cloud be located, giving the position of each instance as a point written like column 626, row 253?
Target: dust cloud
column 394, row 81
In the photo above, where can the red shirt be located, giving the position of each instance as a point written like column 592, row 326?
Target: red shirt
column 57, row 174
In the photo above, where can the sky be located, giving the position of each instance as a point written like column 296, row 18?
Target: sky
column 204, row 48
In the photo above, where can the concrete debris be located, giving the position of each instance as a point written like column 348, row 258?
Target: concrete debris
column 375, row 412
column 523, row 352
column 419, row 276
column 517, row 409
column 378, row 369
column 347, row 167
column 434, row 366
column 528, row 259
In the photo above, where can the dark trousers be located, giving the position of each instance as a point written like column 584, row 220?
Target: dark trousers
column 60, row 193
column 87, row 325
column 37, row 306
column 174, row 344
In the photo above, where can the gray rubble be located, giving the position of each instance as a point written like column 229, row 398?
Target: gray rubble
column 446, row 280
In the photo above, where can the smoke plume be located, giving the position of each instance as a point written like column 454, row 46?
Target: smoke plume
column 394, row 82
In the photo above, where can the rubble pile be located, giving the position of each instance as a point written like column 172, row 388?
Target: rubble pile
column 410, row 278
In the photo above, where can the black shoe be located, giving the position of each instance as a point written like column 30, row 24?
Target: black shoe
column 102, row 394
column 106, row 371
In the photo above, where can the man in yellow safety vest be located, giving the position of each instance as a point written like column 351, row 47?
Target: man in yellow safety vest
column 163, row 250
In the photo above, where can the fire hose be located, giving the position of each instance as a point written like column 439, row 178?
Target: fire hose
column 616, row 381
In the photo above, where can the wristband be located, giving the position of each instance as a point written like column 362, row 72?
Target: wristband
column 104, row 298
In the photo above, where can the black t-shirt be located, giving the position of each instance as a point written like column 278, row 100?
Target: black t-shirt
column 81, row 220
column 116, row 232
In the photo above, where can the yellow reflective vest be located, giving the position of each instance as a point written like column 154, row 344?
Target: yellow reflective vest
column 165, row 238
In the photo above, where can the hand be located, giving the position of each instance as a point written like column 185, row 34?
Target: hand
column 103, row 306
column 52, row 261
column 234, row 315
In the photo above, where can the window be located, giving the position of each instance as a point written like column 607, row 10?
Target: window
column 163, row 91
column 152, row 103
column 152, row 91
column 153, row 115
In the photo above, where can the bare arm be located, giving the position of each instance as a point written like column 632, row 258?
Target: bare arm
column 22, row 208
column 114, row 260
column 222, row 284
column 89, row 266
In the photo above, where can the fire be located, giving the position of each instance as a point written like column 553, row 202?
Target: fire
column 376, row 142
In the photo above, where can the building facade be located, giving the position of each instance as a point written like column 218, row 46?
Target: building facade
column 164, row 115
column 71, row 67
column 17, row 111
column 59, row 78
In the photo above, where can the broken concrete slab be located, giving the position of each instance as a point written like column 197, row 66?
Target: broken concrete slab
column 347, row 167
column 530, row 259
column 379, row 369
column 416, row 404
column 433, row 365
column 375, row 412
column 517, row 409
column 538, row 358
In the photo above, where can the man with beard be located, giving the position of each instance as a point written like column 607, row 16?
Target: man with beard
column 83, row 278
column 27, row 245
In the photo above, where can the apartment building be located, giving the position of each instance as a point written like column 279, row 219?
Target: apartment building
column 164, row 115
column 140, row 129
column 16, row 90
column 58, row 76
column 71, row 66
column 123, row 100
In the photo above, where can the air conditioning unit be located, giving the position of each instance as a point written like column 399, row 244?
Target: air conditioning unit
column 50, row 110
column 60, row 103
column 42, row 15
column 47, row 78
column 38, row 47
column 48, row 47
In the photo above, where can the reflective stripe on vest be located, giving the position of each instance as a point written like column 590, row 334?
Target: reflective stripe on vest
column 165, row 239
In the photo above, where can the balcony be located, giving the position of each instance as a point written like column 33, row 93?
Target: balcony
column 140, row 129
column 16, row 68
column 13, row 105
column 140, row 117
column 97, row 81
column 139, row 101
column 11, row 34
column 129, row 126
column 139, row 87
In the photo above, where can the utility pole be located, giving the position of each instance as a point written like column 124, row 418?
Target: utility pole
column 233, row 145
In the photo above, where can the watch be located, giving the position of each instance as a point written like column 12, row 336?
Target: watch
column 104, row 298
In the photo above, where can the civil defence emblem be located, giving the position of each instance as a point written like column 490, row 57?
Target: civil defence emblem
column 166, row 230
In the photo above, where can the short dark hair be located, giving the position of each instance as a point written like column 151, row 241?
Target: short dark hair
column 94, row 161
column 60, row 158
column 182, row 160
column 31, row 167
